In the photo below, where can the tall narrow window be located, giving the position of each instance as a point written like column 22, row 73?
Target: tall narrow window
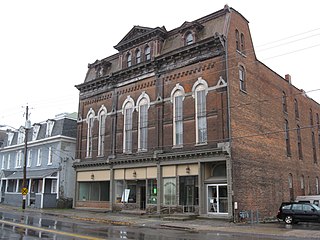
column 9, row 161
column 201, row 114
column 39, row 157
column 50, row 124
column 296, row 108
column 237, row 40
column 318, row 122
column 29, row 158
column 284, row 102
column 299, row 142
column 102, row 130
column 311, row 117
column 50, row 156
column 90, row 123
column 127, row 111
column 143, row 106
column 242, row 78
column 199, row 93
column 147, row 53
column 189, row 38
column 138, row 56
column 3, row 162
column 302, row 184
column 178, row 118
column 242, row 43
column 287, row 136
column 291, row 192
column 317, row 185
column 129, row 60
column 314, row 149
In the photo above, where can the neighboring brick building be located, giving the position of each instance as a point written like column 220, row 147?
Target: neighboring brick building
column 189, row 120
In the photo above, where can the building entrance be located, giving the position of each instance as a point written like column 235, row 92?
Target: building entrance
column 217, row 202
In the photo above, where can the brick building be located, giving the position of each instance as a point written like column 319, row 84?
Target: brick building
column 189, row 120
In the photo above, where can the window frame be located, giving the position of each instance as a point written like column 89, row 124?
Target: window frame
column 287, row 138
column 102, row 116
column 242, row 78
column 200, row 114
column 129, row 59
column 189, row 38
column 177, row 92
column 90, row 124
column 127, row 112
column 147, row 53
column 138, row 56
column 143, row 104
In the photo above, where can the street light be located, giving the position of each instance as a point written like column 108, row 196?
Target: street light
column 24, row 191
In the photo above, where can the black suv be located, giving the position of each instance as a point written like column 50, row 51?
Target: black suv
column 294, row 212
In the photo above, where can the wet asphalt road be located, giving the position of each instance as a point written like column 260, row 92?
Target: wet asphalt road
column 24, row 225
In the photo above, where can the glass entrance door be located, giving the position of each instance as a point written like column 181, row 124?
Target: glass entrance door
column 217, row 202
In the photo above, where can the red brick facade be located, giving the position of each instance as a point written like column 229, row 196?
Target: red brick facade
column 244, row 157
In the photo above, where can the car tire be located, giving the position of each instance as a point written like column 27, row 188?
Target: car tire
column 288, row 220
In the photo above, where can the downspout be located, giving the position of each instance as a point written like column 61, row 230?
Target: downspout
column 229, row 159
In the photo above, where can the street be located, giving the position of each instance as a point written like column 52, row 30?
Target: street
column 34, row 225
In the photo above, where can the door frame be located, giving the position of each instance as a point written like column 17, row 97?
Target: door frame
column 207, row 201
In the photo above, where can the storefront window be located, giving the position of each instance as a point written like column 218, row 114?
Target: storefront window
column 189, row 191
column 169, row 191
column 152, row 191
column 94, row 191
column 119, row 188
column 132, row 193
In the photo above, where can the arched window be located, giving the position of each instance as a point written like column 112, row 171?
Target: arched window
column 129, row 60
column 90, row 122
column 287, row 136
column 147, row 53
column 296, row 108
column 200, row 90
column 237, row 40
column 102, row 129
column 242, row 43
column 177, row 97
column 188, row 38
column 138, row 56
column 142, row 108
column 311, row 117
column 284, row 102
column 299, row 142
column 242, row 78
column 127, row 110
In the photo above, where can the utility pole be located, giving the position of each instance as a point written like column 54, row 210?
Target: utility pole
column 24, row 181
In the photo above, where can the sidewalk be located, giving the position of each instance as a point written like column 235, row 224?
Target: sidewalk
column 154, row 221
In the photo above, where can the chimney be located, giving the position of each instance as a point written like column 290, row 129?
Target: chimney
column 288, row 78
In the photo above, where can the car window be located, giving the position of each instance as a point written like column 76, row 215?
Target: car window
column 286, row 206
column 307, row 207
column 296, row 206
column 316, row 207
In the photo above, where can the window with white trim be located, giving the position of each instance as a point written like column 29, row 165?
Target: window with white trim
column 143, row 106
column 3, row 162
column 9, row 161
column 29, row 158
column 90, row 123
column 50, row 156
column 39, row 157
column 35, row 131
column 102, row 129
column 127, row 110
column 242, row 78
column 50, row 124
column 19, row 159
column 177, row 97
column 21, row 135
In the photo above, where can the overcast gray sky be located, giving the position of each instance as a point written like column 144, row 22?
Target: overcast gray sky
column 45, row 46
